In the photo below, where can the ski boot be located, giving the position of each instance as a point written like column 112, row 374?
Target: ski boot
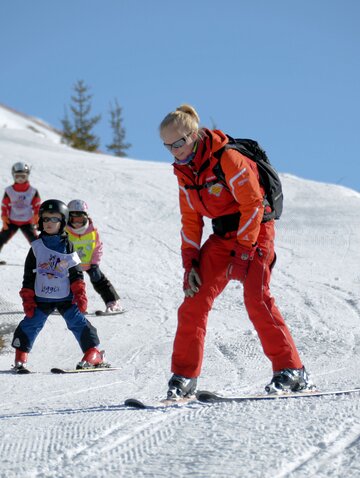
column 180, row 387
column 20, row 360
column 290, row 380
column 114, row 306
column 93, row 358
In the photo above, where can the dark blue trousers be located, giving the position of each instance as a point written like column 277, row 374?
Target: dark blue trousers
column 30, row 327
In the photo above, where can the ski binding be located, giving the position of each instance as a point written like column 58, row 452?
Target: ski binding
column 21, row 371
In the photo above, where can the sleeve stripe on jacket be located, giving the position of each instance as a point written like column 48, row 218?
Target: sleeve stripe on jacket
column 250, row 220
column 234, row 178
column 189, row 241
column 187, row 196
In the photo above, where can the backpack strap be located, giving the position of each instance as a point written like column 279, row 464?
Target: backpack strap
column 254, row 153
column 202, row 186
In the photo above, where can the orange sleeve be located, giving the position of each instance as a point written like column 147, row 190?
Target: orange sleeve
column 36, row 202
column 243, row 183
column 5, row 206
column 191, row 221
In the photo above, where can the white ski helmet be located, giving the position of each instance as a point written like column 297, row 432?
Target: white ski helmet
column 78, row 205
column 20, row 167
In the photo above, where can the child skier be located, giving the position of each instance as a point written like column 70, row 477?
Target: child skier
column 53, row 279
column 20, row 206
column 86, row 240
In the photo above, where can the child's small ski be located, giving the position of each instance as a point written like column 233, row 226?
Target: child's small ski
column 103, row 313
column 83, row 370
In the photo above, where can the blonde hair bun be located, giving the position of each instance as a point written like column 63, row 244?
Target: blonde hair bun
column 184, row 117
column 189, row 110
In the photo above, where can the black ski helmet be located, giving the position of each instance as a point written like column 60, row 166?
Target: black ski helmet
column 54, row 205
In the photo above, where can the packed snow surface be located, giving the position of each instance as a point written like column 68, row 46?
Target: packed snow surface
column 77, row 426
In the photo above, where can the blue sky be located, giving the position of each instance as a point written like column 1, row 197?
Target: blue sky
column 284, row 72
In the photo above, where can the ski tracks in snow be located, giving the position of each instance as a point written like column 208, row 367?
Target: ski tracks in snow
column 115, row 443
column 329, row 457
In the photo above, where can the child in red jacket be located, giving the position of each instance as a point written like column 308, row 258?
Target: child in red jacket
column 20, row 206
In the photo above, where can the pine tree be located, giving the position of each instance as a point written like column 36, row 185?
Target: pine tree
column 67, row 132
column 79, row 134
column 117, row 147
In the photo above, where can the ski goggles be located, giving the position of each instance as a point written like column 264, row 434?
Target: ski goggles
column 77, row 214
column 51, row 219
column 177, row 144
column 21, row 175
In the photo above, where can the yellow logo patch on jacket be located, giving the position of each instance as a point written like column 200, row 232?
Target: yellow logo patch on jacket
column 216, row 189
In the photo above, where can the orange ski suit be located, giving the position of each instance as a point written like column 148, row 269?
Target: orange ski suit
column 243, row 194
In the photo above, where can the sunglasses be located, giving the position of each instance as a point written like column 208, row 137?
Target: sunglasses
column 177, row 144
column 51, row 219
column 20, row 175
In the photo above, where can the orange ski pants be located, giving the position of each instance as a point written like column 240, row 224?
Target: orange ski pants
column 275, row 337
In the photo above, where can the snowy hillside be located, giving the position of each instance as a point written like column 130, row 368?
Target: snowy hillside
column 14, row 120
column 76, row 426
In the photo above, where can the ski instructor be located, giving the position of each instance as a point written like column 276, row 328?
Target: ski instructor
column 241, row 248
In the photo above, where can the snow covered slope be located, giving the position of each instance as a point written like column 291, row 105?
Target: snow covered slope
column 76, row 426
column 12, row 119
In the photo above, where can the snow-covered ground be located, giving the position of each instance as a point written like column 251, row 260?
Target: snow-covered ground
column 15, row 120
column 76, row 425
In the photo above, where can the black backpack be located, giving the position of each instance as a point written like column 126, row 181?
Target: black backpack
column 269, row 178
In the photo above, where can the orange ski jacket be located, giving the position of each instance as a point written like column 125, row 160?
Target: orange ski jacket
column 243, row 192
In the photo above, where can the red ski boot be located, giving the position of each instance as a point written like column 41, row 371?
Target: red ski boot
column 20, row 360
column 93, row 358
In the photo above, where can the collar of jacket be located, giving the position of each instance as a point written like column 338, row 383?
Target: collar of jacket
column 81, row 230
column 56, row 242
column 210, row 141
column 21, row 187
